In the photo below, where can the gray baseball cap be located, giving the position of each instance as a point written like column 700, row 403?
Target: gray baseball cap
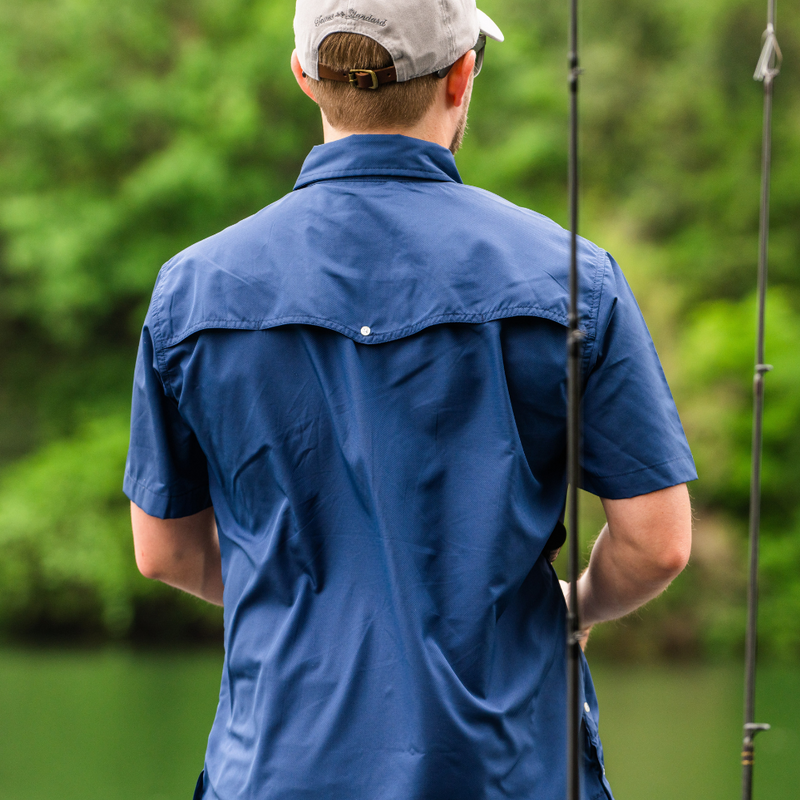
column 422, row 36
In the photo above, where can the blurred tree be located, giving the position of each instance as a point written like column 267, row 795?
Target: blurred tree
column 130, row 130
column 68, row 566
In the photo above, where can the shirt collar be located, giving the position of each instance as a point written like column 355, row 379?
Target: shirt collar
column 367, row 155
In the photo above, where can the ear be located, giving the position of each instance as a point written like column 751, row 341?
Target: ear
column 459, row 77
column 300, row 76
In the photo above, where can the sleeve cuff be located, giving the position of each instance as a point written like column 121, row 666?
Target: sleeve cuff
column 166, row 506
column 642, row 481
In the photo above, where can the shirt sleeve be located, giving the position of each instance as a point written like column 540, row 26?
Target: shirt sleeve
column 633, row 442
column 166, row 473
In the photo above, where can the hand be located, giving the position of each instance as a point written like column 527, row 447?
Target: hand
column 584, row 633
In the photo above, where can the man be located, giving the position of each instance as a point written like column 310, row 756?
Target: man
column 349, row 412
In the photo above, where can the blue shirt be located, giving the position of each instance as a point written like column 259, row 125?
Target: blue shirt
column 366, row 379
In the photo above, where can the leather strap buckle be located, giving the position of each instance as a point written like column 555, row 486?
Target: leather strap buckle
column 360, row 77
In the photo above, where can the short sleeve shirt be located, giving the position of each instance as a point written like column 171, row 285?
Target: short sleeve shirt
column 367, row 380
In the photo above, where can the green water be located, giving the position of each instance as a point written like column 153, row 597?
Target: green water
column 117, row 724
column 674, row 733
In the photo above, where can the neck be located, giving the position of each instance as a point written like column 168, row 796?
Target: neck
column 431, row 128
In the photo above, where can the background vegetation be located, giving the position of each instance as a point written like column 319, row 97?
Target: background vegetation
column 130, row 129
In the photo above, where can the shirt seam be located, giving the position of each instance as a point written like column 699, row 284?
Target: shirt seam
column 317, row 175
column 594, row 310
column 641, row 469
column 163, row 373
column 266, row 323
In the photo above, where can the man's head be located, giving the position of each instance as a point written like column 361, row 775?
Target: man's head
column 401, row 66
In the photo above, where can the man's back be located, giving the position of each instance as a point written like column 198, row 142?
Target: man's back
column 389, row 622
column 367, row 381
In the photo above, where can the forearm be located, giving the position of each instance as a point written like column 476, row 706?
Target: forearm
column 644, row 546
column 610, row 588
column 183, row 553
column 198, row 572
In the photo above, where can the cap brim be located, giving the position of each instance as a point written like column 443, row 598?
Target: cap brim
column 489, row 28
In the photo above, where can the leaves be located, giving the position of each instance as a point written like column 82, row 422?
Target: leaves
column 130, row 130
column 68, row 558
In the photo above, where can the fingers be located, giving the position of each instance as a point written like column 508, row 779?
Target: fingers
column 583, row 635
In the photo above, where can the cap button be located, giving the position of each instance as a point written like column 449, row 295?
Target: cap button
column 366, row 331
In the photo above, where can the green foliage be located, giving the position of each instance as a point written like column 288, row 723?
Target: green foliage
column 68, row 560
column 63, row 531
column 718, row 354
column 131, row 129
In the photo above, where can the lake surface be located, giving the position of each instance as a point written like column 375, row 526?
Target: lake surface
column 124, row 724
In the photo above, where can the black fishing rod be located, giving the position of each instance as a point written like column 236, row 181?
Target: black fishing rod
column 766, row 71
column 573, row 431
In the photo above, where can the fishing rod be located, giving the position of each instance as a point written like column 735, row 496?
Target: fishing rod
column 767, row 69
column 574, row 348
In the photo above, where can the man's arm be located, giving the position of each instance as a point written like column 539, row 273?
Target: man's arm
column 183, row 552
column 644, row 546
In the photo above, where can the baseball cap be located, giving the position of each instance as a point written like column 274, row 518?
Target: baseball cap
column 422, row 36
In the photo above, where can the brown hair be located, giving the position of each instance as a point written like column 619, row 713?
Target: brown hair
column 394, row 105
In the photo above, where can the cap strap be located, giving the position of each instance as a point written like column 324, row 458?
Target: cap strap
column 360, row 78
